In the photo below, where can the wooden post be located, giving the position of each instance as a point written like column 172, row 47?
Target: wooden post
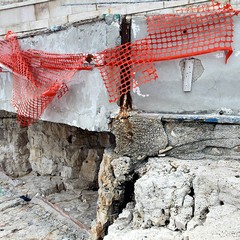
column 125, row 99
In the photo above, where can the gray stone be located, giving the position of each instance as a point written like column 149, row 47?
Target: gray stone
column 14, row 157
column 200, row 140
column 31, row 220
column 74, row 154
column 161, row 196
column 121, row 168
column 139, row 136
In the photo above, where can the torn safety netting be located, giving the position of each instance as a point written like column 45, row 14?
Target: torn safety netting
column 39, row 77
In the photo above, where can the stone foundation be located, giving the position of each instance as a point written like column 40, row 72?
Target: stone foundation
column 170, row 180
column 51, row 149
column 156, row 179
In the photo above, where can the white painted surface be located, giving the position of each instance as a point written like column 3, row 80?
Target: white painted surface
column 187, row 75
column 86, row 103
column 216, row 89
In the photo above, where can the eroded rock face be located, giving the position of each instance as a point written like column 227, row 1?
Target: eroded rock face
column 52, row 149
column 136, row 138
column 186, row 198
column 191, row 184
column 163, row 196
column 164, row 180
column 14, row 156
column 74, row 154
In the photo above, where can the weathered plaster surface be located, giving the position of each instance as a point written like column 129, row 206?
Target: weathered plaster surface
column 215, row 84
column 86, row 103
column 216, row 87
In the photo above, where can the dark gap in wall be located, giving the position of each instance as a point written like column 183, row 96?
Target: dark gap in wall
column 69, row 139
column 128, row 192
column 125, row 74
column 192, row 194
column 203, row 214
column 167, row 222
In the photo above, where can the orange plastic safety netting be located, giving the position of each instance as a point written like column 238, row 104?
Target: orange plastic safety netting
column 125, row 67
column 37, row 77
column 191, row 31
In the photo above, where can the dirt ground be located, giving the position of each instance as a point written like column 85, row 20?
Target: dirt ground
column 34, row 207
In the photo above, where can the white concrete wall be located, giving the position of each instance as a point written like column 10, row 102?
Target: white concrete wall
column 217, row 88
column 86, row 103
column 6, row 2
column 29, row 16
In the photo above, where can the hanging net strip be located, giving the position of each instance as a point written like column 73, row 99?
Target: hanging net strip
column 190, row 32
column 37, row 77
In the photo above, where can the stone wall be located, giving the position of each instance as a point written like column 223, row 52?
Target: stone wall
column 14, row 157
column 156, row 178
column 50, row 149
column 169, row 180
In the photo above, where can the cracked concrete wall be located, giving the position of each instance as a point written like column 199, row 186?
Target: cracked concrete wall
column 169, row 180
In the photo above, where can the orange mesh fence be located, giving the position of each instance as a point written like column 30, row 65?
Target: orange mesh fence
column 39, row 77
column 124, row 68
column 192, row 31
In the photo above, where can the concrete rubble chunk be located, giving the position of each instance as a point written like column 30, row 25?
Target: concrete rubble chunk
column 183, row 199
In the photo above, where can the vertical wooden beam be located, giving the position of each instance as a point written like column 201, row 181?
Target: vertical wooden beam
column 125, row 99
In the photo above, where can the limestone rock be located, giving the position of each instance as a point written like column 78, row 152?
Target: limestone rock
column 70, row 152
column 107, row 195
column 121, row 168
column 14, row 157
column 140, row 234
column 222, row 222
column 185, row 199
column 162, row 196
